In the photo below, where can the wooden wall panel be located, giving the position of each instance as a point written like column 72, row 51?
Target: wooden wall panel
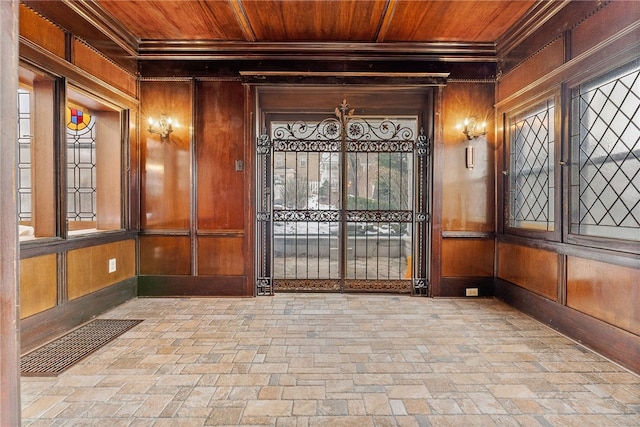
column 467, row 257
column 543, row 62
column 42, row 32
column 88, row 268
column 468, row 194
column 533, row 269
column 166, row 168
column 222, row 256
column 165, row 255
column 220, row 143
column 42, row 152
column 109, row 179
column 38, row 284
column 604, row 24
column 607, row 292
column 99, row 66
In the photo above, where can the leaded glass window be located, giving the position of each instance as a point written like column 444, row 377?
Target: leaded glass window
column 24, row 156
column 605, row 143
column 531, row 183
column 81, row 166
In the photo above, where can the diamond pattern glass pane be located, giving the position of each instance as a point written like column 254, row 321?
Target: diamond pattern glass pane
column 531, row 181
column 605, row 141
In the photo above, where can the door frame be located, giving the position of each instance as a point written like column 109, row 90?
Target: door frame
column 422, row 100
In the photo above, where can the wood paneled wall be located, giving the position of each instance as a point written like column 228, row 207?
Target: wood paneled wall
column 65, row 281
column 194, row 200
column 166, row 162
column 467, row 196
column 221, row 198
column 42, row 32
column 607, row 292
column 588, row 293
column 88, row 268
column 531, row 268
column 38, row 284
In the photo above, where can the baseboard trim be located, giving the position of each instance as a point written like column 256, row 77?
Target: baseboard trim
column 43, row 327
column 457, row 286
column 613, row 343
column 192, row 286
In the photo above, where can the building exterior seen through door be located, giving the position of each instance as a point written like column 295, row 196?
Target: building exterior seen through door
column 342, row 203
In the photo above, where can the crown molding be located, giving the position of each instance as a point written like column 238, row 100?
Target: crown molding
column 215, row 50
column 535, row 18
column 102, row 21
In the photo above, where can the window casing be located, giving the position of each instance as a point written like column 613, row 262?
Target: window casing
column 36, row 169
column 605, row 156
column 531, row 184
column 87, row 162
column 94, row 164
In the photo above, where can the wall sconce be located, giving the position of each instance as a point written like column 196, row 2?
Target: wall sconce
column 162, row 127
column 473, row 129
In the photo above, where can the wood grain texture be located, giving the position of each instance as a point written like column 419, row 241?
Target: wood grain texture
column 38, row 284
column 318, row 20
column 165, row 255
column 220, row 143
column 87, row 268
column 607, row 292
column 186, row 19
column 193, row 286
column 467, row 257
column 314, row 20
column 468, row 21
column 221, row 256
column 42, row 32
column 530, row 268
column 42, row 155
column 612, row 18
column 99, row 66
column 109, row 171
column 166, row 163
column 546, row 60
column 468, row 194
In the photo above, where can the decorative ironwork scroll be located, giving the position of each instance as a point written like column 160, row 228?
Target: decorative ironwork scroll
column 379, row 216
column 307, row 215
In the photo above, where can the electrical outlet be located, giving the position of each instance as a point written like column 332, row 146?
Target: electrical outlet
column 471, row 292
column 112, row 265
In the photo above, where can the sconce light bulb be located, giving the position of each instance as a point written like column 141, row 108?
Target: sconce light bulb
column 150, row 120
column 484, row 125
column 466, row 122
column 169, row 120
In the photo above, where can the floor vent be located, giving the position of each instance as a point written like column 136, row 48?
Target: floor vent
column 59, row 355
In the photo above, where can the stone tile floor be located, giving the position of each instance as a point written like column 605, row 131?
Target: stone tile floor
column 334, row 360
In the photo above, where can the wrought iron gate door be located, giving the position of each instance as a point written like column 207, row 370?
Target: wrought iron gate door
column 342, row 205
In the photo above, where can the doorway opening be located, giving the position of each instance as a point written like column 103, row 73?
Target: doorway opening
column 342, row 203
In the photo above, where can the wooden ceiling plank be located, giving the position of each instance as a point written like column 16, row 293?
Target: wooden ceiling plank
column 385, row 22
column 243, row 20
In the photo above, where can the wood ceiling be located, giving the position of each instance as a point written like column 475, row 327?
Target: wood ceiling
column 294, row 21
column 462, row 31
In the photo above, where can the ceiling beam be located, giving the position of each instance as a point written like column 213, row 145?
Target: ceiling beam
column 243, row 20
column 385, row 21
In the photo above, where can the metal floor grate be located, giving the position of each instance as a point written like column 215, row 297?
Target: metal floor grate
column 59, row 355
